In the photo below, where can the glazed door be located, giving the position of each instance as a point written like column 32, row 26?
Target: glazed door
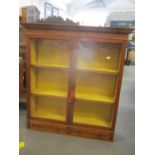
column 97, row 68
column 49, row 74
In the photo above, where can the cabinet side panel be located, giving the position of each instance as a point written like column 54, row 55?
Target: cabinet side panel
column 118, row 85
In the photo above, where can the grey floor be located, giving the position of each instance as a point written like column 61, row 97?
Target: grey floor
column 42, row 143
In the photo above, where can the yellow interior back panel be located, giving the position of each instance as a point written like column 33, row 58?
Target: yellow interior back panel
column 48, row 107
column 95, row 87
column 50, row 51
column 33, row 75
column 49, row 81
column 33, row 51
column 92, row 114
column 98, row 55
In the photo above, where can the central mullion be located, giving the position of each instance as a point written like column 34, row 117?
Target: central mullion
column 71, row 82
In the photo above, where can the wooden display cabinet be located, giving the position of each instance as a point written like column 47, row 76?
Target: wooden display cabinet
column 74, row 76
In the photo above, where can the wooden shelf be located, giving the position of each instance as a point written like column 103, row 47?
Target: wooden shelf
column 53, row 93
column 98, row 70
column 95, row 98
column 48, row 115
column 91, row 121
column 39, row 65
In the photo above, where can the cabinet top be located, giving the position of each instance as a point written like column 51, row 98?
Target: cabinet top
column 78, row 28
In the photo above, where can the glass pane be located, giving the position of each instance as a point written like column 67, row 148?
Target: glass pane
column 49, row 82
column 92, row 113
column 95, row 87
column 48, row 107
column 50, row 52
column 98, row 55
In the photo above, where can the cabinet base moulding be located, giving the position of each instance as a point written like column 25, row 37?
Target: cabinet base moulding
column 71, row 130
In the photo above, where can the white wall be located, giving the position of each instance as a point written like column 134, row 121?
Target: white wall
column 94, row 17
